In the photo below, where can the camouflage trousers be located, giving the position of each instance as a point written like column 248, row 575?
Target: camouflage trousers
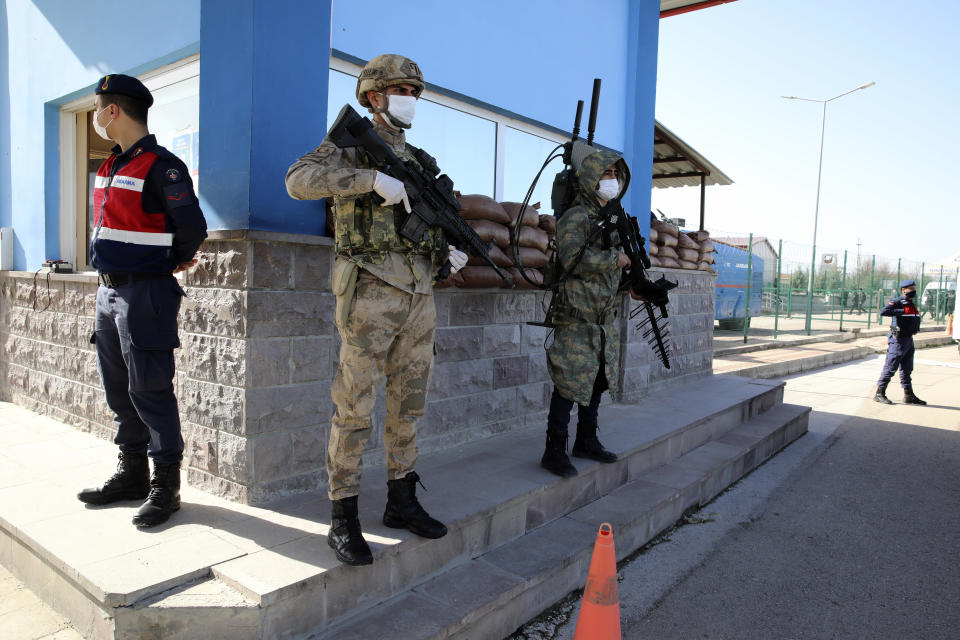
column 387, row 332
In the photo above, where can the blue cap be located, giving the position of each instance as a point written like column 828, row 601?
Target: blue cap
column 125, row 86
column 908, row 283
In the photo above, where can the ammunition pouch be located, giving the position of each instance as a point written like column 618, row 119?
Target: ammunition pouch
column 344, row 286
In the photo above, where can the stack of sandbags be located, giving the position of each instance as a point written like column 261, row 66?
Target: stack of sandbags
column 664, row 244
column 532, row 240
column 491, row 222
column 705, row 259
column 688, row 251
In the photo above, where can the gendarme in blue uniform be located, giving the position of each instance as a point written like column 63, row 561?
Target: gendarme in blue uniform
column 147, row 222
column 904, row 325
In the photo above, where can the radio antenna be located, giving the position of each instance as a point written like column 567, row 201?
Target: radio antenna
column 594, row 103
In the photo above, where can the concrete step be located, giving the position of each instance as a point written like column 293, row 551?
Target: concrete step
column 223, row 569
column 723, row 350
column 492, row 594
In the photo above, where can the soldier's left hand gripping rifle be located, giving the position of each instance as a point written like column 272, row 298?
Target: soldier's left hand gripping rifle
column 652, row 293
column 432, row 202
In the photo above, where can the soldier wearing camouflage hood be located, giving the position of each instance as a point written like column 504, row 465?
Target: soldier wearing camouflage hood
column 385, row 311
column 585, row 351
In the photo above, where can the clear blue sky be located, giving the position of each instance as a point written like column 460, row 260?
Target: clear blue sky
column 889, row 173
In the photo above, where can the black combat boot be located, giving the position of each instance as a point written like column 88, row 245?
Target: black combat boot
column 404, row 511
column 587, row 445
column 164, row 496
column 555, row 458
column 345, row 537
column 910, row 398
column 130, row 482
column 881, row 396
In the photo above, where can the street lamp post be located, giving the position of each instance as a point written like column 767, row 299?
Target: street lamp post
column 816, row 211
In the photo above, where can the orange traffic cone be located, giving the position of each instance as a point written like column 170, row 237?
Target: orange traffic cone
column 599, row 617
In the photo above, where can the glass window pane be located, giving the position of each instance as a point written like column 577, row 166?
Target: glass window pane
column 175, row 120
column 523, row 156
column 464, row 145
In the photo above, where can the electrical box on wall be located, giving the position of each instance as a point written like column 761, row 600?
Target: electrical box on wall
column 6, row 248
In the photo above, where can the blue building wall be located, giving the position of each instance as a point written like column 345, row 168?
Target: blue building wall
column 263, row 84
column 58, row 50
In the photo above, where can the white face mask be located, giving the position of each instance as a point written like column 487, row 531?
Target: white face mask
column 608, row 189
column 101, row 130
column 401, row 110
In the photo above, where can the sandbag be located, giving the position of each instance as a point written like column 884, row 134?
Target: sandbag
column 686, row 242
column 653, row 250
column 533, row 237
column 688, row 264
column 667, row 240
column 520, row 282
column 455, row 280
column 655, row 261
column 488, row 231
column 665, row 228
column 479, row 278
column 707, row 246
column 532, row 258
column 705, row 266
column 691, row 255
column 548, row 223
column 531, row 215
column 668, row 252
column 699, row 236
column 480, row 207
column 671, row 263
column 498, row 255
column 653, row 235
column 706, row 257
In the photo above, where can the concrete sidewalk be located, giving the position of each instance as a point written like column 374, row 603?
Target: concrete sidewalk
column 776, row 360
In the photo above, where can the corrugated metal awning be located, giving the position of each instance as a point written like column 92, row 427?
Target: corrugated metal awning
column 675, row 7
column 677, row 164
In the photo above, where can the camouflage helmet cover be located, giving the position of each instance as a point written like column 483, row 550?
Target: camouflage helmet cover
column 387, row 70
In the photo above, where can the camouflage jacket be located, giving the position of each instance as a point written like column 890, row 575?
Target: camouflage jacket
column 366, row 231
column 586, row 340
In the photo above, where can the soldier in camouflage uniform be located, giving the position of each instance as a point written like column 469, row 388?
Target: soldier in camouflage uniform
column 385, row 311
column 585, row 351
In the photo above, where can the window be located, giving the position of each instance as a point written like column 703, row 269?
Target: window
column 173, row 119
column 481, row 150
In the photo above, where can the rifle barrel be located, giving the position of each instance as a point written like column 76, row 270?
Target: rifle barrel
column 594, row 105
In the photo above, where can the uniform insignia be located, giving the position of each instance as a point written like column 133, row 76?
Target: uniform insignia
column 106, row 82
column 138, row 151
column 173, row 175
column 178, row 195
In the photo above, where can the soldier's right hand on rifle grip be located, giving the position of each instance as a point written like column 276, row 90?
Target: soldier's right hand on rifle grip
column 623, row 260
column 391, row 190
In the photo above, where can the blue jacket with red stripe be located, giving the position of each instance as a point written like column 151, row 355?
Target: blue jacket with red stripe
column 146, row 215
column 905, row 316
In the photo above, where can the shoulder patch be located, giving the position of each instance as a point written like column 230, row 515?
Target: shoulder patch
column 178, row 194
column 172, row 175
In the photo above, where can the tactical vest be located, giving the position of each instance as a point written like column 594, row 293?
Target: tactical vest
column 118, row 205
column 364, row 227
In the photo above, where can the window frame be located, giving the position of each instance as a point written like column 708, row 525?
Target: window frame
column 73, row 157
column 500, row 120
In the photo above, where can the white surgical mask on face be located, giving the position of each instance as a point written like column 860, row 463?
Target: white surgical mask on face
column 608, row 189
column 402, row 109
column 100, row 129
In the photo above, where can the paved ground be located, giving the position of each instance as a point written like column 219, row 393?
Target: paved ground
column 24, row 617
column 851, row 532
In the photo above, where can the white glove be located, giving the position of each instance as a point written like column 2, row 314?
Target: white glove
column 458, row 259
column 391, row 190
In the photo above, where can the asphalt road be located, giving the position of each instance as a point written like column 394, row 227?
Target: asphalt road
column 853, row 531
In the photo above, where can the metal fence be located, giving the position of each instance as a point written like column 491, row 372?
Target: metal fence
column 849, row 289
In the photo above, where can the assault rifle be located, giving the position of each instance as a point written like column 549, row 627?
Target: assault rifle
column 432, row 202
column 654, row 293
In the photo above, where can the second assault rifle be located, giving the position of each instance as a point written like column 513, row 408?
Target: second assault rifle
column 432, row 202
column 635, row 280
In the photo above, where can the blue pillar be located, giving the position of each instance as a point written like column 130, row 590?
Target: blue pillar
column 643, row 28
column 263, row 103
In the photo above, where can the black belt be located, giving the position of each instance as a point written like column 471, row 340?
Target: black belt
column 114, row 280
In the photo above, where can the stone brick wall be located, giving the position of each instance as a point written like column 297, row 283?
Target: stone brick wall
column 260, row 350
